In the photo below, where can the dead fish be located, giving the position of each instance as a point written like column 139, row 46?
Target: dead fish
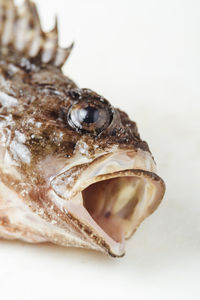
column 73, row 169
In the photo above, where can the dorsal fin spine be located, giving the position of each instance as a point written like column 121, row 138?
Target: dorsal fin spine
column 20, row 30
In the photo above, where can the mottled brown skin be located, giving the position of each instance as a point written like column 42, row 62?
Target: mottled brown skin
column 46, row 94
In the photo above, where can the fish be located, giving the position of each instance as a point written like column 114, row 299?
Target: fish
column 74, row 170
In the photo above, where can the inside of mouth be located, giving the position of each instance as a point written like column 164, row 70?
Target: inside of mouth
column 115, row 205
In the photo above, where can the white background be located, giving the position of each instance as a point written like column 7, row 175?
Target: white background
column 144, row 57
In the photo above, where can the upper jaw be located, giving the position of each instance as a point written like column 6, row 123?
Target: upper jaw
column 111, row 196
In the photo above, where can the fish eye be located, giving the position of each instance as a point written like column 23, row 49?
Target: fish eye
column 89, row 117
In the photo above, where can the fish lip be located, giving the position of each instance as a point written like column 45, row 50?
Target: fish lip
column 114, row 248
column 129, row 172
column 97, row 162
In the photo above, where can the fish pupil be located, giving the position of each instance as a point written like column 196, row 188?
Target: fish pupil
column 88, row 115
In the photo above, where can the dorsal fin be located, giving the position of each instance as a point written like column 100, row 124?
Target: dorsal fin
column 21, row 31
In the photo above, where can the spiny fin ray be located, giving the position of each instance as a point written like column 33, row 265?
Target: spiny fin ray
column 21, row 31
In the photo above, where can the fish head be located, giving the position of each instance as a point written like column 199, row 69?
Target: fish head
column 108, row 184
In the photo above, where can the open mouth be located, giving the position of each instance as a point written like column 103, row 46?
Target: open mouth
column 112, row 202
column 112, row 199
column 121, row 202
